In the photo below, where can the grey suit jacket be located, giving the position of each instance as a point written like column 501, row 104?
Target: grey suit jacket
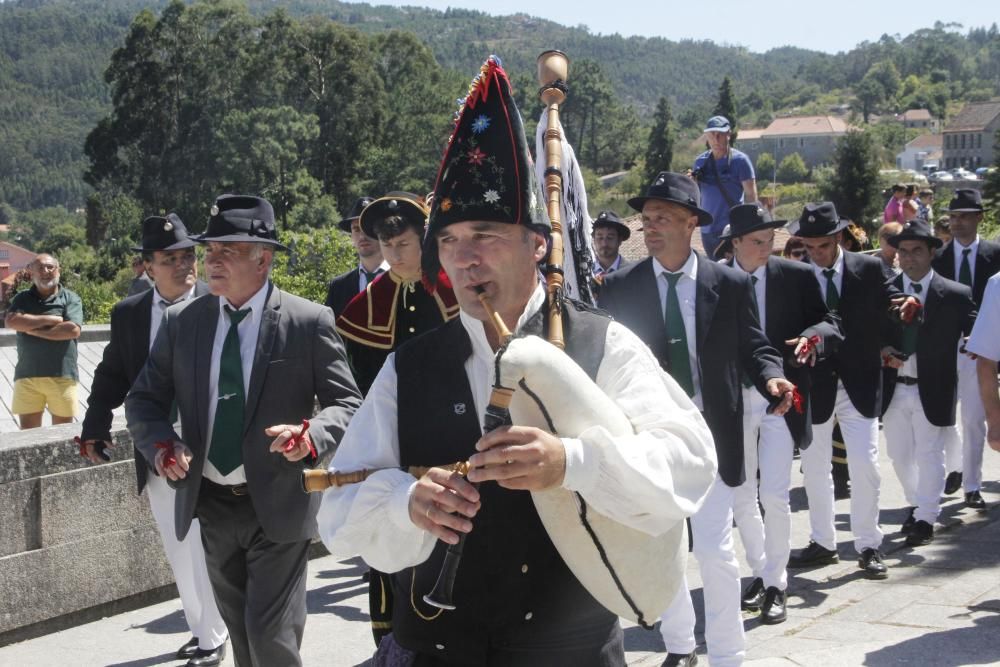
column 299, row 359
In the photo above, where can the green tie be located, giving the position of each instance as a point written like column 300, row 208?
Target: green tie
column 747, row 382
column 677, row 342
column 910, row 330
column 371, row 275
column 226, row 451
column 832, row 297
column 965, row 271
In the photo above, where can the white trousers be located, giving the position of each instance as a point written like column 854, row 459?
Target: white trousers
column 711, row 529
column 187, row 560
column 861, row 440
column 973, row 418
column 916, row 448
column 953, row 446
column 768, row 447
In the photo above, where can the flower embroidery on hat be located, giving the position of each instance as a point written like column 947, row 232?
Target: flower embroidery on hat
column 491, row 196
column 476, row 156
column 481, row 123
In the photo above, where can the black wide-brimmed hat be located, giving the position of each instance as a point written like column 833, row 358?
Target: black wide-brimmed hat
column 407, row 205
column 611, row 220
column 966, row 200
column 676, row 189
column 749, row 218
column 915, row 230
column 819, row 219
column 355, row 213
column 487, row 173
column 241, row 218
column 164, row 233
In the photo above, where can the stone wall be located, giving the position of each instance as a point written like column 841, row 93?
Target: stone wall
column 76, row 542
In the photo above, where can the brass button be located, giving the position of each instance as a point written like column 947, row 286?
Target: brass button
column 439, row 647
column 412, row 330
column 524, row 569
column 412, row 308
column 527, row 616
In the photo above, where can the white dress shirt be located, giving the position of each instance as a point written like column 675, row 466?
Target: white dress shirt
column 648, row 480
column 760, row 290
column 156, row 312
column 909, row 368
column 363, row 279
column 838, row 276
column 615, row 265
column 958, row 248
column 249, row 330
column 686, row 289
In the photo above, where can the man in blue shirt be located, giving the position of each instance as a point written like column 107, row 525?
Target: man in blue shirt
column 725, row 181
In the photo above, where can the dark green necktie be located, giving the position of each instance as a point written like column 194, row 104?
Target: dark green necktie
column 965, row 271
column 371, row 275
column 832, row 296
column 226, row 452
column 910, row 330
column 747, row 382
column 677, row 343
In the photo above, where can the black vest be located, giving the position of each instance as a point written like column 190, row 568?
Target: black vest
column 513, row 592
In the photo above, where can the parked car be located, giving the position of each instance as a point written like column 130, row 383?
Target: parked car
column 982, row 171
column 962, row 174
column 938, row 176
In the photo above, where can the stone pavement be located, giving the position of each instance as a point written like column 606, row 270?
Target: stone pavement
column 940, row 605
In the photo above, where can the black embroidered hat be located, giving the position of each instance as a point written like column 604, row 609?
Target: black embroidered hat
column 819, row 220
column 966, row 200
column 676, row 189
column 355, row 213
column 407, row 205
column 915, row 230
column 611, row 220
column 164, row 233
column 487, row 172
column 241, row 218
column 749, row 218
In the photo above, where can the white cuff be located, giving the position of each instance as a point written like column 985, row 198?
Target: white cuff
column 399, row 506
column 579, row 476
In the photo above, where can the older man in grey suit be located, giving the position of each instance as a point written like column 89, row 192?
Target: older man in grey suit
column 244, row 366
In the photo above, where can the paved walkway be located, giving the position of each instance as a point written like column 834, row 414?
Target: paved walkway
column 940, row 606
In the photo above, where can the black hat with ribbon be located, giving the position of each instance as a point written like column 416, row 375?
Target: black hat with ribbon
column 241, row 218
column 966, row 200
column 915, row 230
column 406, row 205
column 611, row 220
column 164, row 233
column 818, row 220
column 749, row 218
column 355, row 213
column 487, row 173
column 675, row 189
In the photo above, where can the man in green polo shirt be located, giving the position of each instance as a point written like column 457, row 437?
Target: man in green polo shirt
column 47, row 319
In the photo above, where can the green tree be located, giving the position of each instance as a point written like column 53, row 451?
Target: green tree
column 765, row 166
column 854, row 186
column 792, row 169
column 726, row 106
column 660, row 147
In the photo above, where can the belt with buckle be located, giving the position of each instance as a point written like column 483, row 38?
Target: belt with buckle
column 909, row 382
column 226, row 489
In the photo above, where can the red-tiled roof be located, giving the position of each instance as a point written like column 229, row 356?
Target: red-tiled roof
column 800, row 125
column 926, row 141
column 974, row 116
column 916, row 114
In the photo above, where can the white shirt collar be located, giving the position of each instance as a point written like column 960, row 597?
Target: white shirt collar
column 924, row 283
column 477, row 329
column 160, row 299
column 838, row 264
column 758, row 273
column 973, row 246
column 255, row 303
column 689, row 269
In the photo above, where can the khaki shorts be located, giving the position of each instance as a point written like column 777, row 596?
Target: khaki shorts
column 31, row 395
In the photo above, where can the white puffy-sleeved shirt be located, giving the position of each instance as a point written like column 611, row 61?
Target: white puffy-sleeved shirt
column 648, row 481
column 984, row 340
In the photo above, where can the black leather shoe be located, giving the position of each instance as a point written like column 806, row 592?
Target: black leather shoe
column 870, row 561
column 203, row 658
column 922, row 533
column 952, row 483
column 186, row 651
column 974, row 500
column 814, row 555
column 753, row 596
column 680, row 660
column 908, row 524
column 773, row 611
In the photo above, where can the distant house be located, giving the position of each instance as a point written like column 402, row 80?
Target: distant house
column 13, row 258
column 925, row 149
column 812, row 137
column 919, row 119
column 969, row 136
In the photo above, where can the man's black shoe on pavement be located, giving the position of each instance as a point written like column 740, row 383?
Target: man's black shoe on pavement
column 870, row 561
column 813, row 555
column 773, row 611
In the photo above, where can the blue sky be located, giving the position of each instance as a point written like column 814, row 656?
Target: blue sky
column 823, row 26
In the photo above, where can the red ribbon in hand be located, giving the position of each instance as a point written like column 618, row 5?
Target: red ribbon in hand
column 294, row 441
column 168, row 458
column 797, row 401
column 811, row 343
column 908, row 310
